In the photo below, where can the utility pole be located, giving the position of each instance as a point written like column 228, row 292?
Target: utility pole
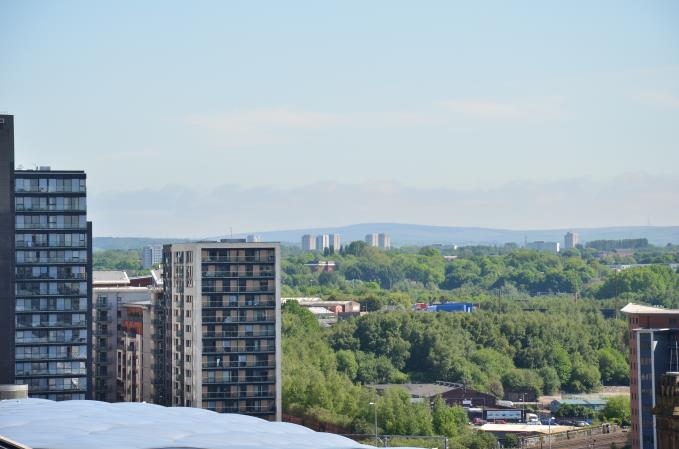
column 374, row 404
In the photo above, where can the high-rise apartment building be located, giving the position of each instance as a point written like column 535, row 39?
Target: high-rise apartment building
column 308, row 242
column 335, row 242
column 53, row 283
column 571, row 239
column 152, row 255
column 45, row 277
column 384, row 241
column 653, row 341
column 221, row 308
column 372, row 239
column 322, row 242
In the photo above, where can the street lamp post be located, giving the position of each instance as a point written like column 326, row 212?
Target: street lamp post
column 375, row 409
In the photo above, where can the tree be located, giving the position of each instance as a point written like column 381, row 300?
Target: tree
column 448, row 421
column 618, row 409
column 460, row 272
column 558, row 358
column 584, row 377
column 551, row 380
column 355, row 248
column 346, row 363
column 613, row 367
column 511, row 440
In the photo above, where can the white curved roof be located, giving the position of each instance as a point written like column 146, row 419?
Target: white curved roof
column 40, row 423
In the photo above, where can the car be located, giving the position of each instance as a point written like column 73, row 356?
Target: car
column 548, row 421
column 581, row 424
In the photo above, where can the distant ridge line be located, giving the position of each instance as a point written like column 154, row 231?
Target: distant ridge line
column 414, row 234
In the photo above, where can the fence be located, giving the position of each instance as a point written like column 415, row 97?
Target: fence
column 434, row 442
column 539, row 441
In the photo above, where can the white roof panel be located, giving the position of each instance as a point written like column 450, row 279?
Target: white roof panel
column 40, row 423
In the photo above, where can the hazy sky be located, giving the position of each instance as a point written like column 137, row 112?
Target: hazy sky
column 427, row 101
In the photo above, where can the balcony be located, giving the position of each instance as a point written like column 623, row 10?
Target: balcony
column 238, row 305
column 236, row 364
column 237, row 320
column 237, row 259
column 228, row 289
column 237, row 274
column 244, row 334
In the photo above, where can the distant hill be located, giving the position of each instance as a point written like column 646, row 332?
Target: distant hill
column 411, row 234
column 130, row 242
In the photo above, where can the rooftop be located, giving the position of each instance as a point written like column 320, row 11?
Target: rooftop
column 39, row 423
column 581, row 401
column 524, row 428
column 638, row 309
column 103, row 278
column 418, row 390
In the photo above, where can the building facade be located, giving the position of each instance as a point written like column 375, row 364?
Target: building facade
column 384, row 241
column 335, row 242
column 53, row 275
column 152, row 255
column 222, row 331
column 322, row 242
column 552, row 247
column 653, row 335
column 124, row 351
column 308, row 242
column 667, row 411
column 571, row 239
column 372, row 239
column 7, row 255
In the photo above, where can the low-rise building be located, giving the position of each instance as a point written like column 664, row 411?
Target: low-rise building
column 596, row 405
column 552, row 247
column 323, row 265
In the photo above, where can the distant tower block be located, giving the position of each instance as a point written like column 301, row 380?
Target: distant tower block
column 571, row 239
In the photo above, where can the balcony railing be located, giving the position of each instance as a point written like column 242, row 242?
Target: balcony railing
column 230, row 364
column 236, row 259
column 229, row 395
column 236, row 320
column 238, row 305
column 243, row 334
column 241, row 379
column 237, row 274
column 229, row 289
